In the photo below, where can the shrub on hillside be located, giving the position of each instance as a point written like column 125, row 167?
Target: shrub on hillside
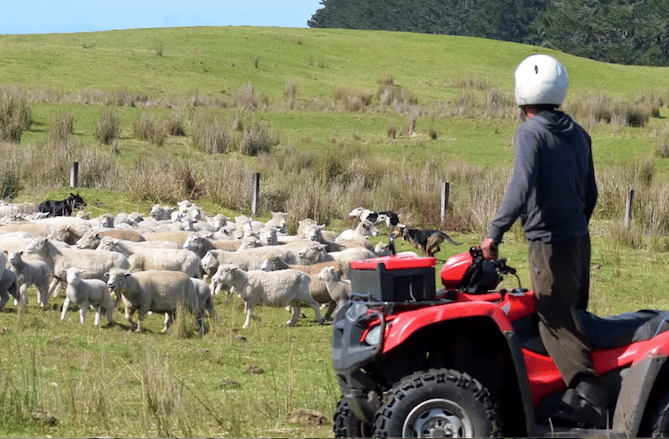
column 245, row 98
column 15, row 114
column 399, row 98
column 175, row 124
column 108, row 128
column 210, row 133
column 352, row 100
column 62, row 127
column 145, row 127
column 258, row 137
column 290, row 95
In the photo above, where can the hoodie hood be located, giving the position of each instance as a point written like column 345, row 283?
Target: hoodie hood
column 557, row 122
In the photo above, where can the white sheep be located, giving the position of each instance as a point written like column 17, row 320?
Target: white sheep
column 144, row 258
column 31, row 273
column 338, row 288
column 317, row 287
column 363, row 230
column 94, row 264
column 200, row 245
column 252, row 258
column 87, row 293
column 278, row 221
column 274, row 288
column 8, row 286
column 205, row 300
column 315, row 253
column 158, row 291
column 161, row 213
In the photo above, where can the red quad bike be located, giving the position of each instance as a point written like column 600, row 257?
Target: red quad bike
column 467, row 360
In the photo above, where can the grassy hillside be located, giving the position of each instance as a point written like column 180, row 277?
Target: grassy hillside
column 174, row 66
column 175, row 61
column 340, row 145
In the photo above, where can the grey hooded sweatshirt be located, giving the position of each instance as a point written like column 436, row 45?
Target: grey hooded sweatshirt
column 552, row 188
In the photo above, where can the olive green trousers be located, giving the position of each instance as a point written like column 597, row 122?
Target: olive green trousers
column 560, row 274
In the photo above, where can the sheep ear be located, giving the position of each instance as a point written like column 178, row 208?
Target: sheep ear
column 97, row 235
column 126, row 274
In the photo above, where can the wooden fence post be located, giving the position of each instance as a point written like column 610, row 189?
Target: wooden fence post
column 628, row 208
column 74, row 175
column 255, row 202
column 445, row 192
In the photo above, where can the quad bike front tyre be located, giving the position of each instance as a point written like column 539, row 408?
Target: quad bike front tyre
column 437, row 403
column 346, row 424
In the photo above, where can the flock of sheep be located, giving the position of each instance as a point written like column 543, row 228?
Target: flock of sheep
column 178, row 257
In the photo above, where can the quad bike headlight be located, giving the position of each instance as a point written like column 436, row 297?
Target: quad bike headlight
column 373, row 337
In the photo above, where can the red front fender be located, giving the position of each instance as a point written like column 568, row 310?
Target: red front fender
column 405, row 324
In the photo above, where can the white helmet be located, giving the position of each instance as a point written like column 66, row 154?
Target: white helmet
column 540, row 79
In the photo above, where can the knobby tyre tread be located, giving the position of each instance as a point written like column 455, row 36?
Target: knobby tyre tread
column 346, row 424
column 443, row 384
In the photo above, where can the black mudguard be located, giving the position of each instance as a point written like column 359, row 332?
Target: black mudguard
column 523, row 381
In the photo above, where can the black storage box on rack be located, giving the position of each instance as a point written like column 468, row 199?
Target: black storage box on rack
column 394, row 278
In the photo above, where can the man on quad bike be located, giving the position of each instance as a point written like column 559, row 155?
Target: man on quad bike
column 553, row 192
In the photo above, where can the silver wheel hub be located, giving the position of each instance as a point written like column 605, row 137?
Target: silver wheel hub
column 437, row 418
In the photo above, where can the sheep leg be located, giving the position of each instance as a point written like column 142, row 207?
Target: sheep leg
column 248, row 316
column 295, row 306
column 316, row 307
column 66, row 305
column 4, row 297
column 110, row 315
column 128, row 316
column 82, row 311
column 43, row 289
column 23, row 295
column 169, row 318
column 331, row 308
column 97, row 315
column 52, row 286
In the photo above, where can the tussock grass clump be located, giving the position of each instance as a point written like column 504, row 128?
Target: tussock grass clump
column 258, row 137
column 662, row 141
column 602, row 108
column 469, row 83
column 165, row 180
column 15, row 114
column 145, row 127
column 124, row 98
column 391, row 131
column 499, row 105
column 108, row 128
column 396, row 97
column 246, row 98
column 211, row 133
column 290, row 95
column 62, row 127
column 353, row 100
column 175, row 124
column 228, row 182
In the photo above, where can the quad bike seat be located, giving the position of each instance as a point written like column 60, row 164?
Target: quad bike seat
column 604, row 332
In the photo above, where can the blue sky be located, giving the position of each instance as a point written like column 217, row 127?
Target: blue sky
column 50, row 16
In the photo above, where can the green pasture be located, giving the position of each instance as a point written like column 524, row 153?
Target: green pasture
column 63, row 379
